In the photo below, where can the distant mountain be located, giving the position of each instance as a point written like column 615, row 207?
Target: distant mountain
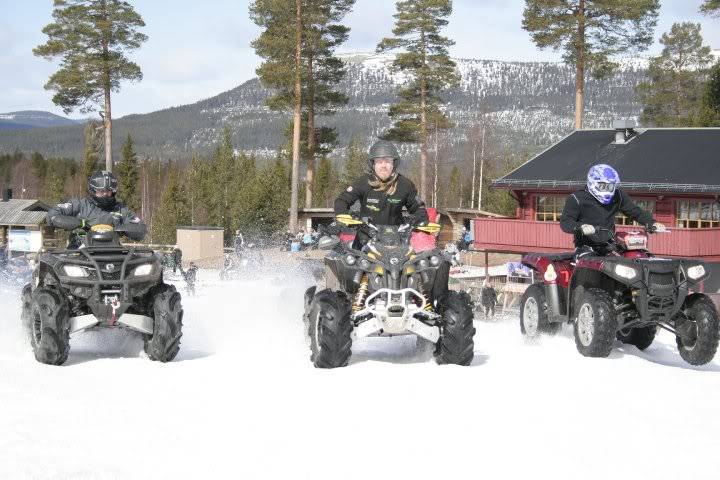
column 530, row 103
column 28, row 119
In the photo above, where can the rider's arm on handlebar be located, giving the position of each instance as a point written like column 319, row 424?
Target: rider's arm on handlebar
column 134, row 231
column 64, row 215
column 67, row 222
column 416, row 208
column 349, row 196
column 131, row 226
column 633, row 212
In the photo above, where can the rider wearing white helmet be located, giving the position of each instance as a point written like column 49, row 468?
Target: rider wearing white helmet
column 595, row 207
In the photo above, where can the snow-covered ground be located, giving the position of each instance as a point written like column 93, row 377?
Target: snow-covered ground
column 242, row 400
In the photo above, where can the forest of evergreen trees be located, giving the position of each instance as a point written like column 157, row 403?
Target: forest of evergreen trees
column 454, row 122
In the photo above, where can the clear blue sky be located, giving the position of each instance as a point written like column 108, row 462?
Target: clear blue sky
column 198, row 49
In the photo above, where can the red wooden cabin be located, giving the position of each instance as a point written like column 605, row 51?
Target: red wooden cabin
column 673, row 172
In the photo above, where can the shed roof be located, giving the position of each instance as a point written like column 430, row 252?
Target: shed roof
column 22, row 212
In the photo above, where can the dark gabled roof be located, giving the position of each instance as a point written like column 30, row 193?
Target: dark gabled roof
column 656, row 160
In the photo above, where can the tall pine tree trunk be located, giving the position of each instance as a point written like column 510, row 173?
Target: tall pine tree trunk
column 310, row 101
column 107, row 119
column 580, row 67
column 423, row 123
column 296, row 120
column 482, row 164
column 472, row 195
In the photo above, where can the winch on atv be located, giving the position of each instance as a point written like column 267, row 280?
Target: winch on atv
column 396, row 284
column 620, row 290
column 100, row 284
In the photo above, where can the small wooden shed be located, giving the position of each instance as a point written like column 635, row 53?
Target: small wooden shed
column 201, row 244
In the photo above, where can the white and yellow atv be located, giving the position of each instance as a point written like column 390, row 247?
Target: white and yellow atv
column 396, row 284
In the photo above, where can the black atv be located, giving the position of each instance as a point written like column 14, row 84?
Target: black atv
column 100, row 284
column 389, row 287
column 622, row 291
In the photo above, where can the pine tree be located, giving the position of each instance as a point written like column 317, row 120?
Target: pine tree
column 590, row 32
column 129, row 176
column 92, row 37
column 426, row 60
column 710, row 103
column 221, row 188
column 91, row 150
column 196, row 179
column 245, row 194
column 452, row 195
column 710, row 7
column 356, row 163
column 172, row 211
column 280, row 44
column 320, row 71
column 326, row 184
column 676, row 77
column 269, row 214
column 54, row 190
column 323, row 73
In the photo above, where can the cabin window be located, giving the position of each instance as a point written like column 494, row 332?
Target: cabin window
column 549, row 209
column 647, row 205
column 698, row 214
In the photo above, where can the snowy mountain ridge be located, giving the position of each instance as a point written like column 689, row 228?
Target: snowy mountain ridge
column 529, row 104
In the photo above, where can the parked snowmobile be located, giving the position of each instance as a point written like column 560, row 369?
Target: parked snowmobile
column 626, row 293
column 385, row 289
column 100, row 284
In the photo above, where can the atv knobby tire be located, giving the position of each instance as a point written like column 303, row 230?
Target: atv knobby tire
column 641, row 337
column 309, row 295
column 534, row 313
column 26, row 314
column 456, row 345
column 48, row 322
column 700, row 310
column 166, row 310
column 595, row 324
column 330, row 328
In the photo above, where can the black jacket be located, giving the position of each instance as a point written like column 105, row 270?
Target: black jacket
column 62, row 214
column 380, row 208
column 582, row 208
column 488, row 296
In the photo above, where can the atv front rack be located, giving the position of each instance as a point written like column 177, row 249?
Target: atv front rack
column 396, row 312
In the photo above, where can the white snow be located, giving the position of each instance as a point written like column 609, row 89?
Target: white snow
column 242, row 400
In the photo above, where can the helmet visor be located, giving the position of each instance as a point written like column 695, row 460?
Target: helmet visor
column 103, row 193
column 605, row 187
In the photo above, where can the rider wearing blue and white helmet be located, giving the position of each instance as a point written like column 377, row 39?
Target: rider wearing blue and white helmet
column 595, row 207
column 602, row 180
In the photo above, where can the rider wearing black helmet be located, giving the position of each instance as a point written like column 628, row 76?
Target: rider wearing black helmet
column 99, row 207
column 383, row 192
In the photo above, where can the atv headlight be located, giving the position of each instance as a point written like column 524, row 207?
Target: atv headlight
column 625, row 272
column 350, row 259
column 423, row 263
column 696, row 272
column 550, row 274
column 75, row 271
column 364, row 263
column 142, row 270
column 434, row 260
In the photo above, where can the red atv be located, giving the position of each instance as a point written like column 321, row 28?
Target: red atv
column 622, row 291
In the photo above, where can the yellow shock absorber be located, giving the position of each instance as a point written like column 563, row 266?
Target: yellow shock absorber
column 421, row 288
column 361, row 294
